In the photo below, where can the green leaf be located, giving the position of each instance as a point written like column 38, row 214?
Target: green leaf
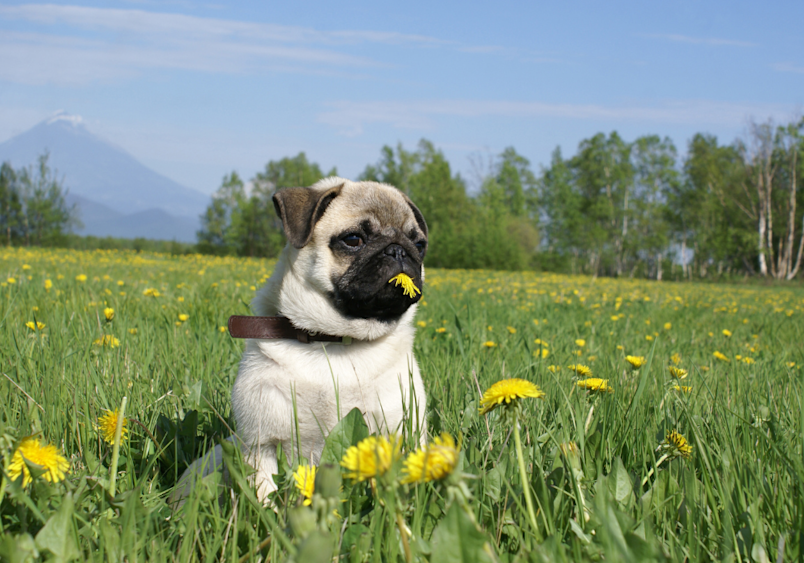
column 17, row 549
column 317, row 548
column 58, row 535
column 348, row 432
column 457, row 539
column 619, row 482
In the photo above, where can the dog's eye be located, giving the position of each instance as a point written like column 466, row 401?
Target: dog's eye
column 420, row 246
column 354, row 241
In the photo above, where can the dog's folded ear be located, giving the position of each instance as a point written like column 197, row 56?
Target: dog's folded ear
column 300, row 209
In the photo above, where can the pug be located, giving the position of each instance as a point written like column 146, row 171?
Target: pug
column 353, row 345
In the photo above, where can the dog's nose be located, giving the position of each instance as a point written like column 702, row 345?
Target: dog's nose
column 396, row 251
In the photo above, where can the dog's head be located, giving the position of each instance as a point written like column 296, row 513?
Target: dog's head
column 346, row 241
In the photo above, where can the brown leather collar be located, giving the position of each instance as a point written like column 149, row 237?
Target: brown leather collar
column 242, row 326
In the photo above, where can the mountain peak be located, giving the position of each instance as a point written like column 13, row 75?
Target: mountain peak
column 64, row 117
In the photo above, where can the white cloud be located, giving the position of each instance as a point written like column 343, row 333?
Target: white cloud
column 698, row 40
column 788, row 67
column 76, row 45
column 350, row 118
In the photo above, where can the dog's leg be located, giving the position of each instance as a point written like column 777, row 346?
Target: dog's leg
column 200, row 468
column 263, row 459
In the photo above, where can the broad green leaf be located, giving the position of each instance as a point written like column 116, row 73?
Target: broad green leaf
column 457, row 540
column 58, row 535
column 348, row 432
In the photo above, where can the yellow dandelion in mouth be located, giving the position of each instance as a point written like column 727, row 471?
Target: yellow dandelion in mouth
column 107, row 340
column 45, row 456
column 433, row 462
column 720, row 356
column 678, row 373
column 371, row 457
column 108, row 312
column 675, row 445
column 595, row 384
column 408, row 287
column 635, row 361
column 508, row 391
column 305, row 482
column 107, row 426
column 581, row 370
column 35, row 325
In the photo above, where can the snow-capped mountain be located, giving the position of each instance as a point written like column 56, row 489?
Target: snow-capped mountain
column 98, row 172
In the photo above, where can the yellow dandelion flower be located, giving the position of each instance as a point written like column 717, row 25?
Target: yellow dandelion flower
column 48, row 285
column 108, row 312
column 433, row 462
column 107, row 426
column 371, row 457
column 81, row 277
column 676, row 445
column 726, row 332
column 703, row 368
column 133, row 331
column 675, row 358
column 553, row 369
column 511, row 329
column 121, row 283
column 489, row 344
column 35, row 325
column 620, row 347
column 508, row 391
column 408, row 287
column 11, row 281
column 151, row 292
column 720, row 356
column 747, row 360
column 667, row 326
column 441, row 330
column 678, row 373
column 791, row 364
column 682, row 389
column 45, row 456
column 595, row 384
column 305, row 482
column 184, row 317
column 222, row 329
column 107, row 340
column 421, row 324
column 581, row 370
column 580, row 343
column 648, row 337
column 635, row 361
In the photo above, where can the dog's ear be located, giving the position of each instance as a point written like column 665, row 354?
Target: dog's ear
column 417, row 214
column 300, row 209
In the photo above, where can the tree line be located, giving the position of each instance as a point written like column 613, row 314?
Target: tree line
column 615, row 208
column 32, row 206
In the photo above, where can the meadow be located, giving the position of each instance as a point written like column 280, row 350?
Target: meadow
column 704, row 461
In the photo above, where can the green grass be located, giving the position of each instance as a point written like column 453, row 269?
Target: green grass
column 739, row 497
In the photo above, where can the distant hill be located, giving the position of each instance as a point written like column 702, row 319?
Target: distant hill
column 103, row 221
column 117, row 195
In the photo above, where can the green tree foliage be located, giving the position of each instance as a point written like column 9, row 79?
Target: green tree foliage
column 245, row 224
column 32, row 205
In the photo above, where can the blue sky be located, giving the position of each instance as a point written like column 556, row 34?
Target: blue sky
column 195, row 90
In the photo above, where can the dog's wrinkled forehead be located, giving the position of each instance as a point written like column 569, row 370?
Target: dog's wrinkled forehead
column 385, row 208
